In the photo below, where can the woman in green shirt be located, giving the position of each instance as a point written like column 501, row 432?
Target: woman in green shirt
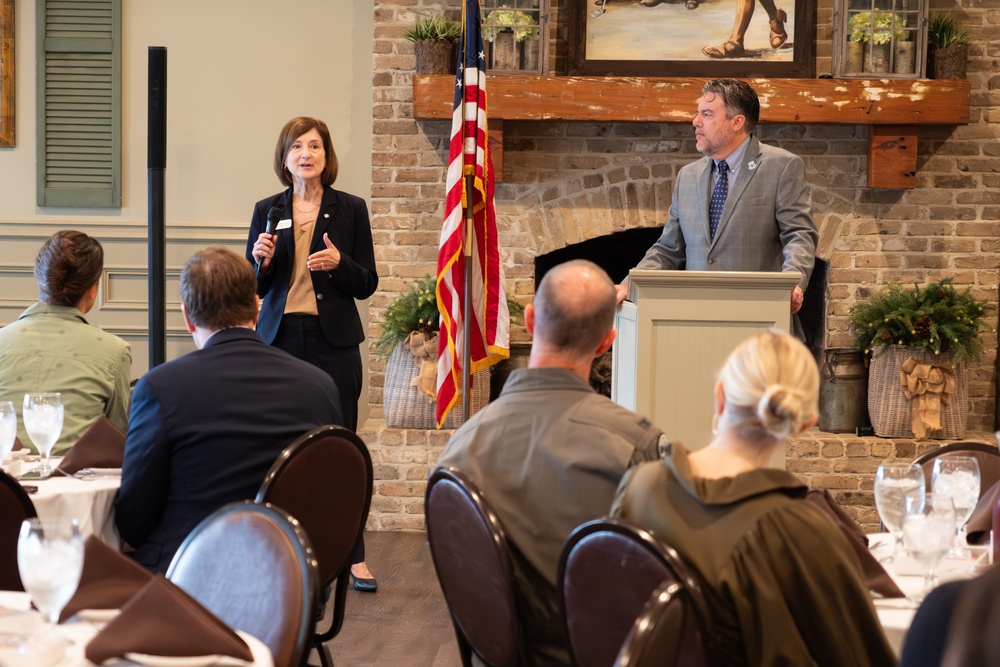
column 51, row 347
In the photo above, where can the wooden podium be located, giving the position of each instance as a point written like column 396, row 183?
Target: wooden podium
column 676, row 330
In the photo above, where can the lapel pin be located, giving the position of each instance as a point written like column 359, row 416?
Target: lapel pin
column 326, row 215
column 751, row 165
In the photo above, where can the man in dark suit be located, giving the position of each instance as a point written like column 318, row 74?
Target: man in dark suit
column 206, row 427
column 744, row 206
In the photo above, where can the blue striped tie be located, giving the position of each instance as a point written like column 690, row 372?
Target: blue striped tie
column 718, row 197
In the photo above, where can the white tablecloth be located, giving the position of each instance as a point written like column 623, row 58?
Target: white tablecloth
column 89, row 501
column 78, row 633
column 896, row 615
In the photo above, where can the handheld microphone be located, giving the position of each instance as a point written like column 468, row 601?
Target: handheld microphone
column 272, row 219
column 273, row 216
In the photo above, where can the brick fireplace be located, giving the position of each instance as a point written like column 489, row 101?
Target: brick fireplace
column 566, row 183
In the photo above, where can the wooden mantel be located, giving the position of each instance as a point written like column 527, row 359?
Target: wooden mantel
column 894, row 109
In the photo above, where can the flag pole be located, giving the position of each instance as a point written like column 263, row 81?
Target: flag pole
column 467, row 310
column 469, row 201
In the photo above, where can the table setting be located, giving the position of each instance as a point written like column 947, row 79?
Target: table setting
column 925, row 543
column 80, row 485
column 94, row 606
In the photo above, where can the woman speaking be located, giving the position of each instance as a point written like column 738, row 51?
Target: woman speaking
column 312, row 248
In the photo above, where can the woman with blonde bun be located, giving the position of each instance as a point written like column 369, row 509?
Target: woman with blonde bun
column 782, row 583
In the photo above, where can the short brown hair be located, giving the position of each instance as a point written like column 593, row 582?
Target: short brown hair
column 574, row 307
column 68, row 265
column 218, row 289
column 294, row 129
column 738, row 97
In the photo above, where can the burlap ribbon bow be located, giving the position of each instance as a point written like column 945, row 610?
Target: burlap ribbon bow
column 424, row 350
column 931, row 385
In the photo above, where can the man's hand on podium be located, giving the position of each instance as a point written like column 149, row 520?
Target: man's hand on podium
column 621, row 291
column 797, row 297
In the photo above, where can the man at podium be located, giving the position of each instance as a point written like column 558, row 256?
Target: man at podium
column 744, row 206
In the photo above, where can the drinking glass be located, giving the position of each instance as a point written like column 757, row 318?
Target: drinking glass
column 928, row 533
column 958, row 478
column 8, row 429
column 894, row 484
column 43, row 420
column 49, row 560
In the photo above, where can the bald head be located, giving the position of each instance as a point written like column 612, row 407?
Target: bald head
column 574, row 308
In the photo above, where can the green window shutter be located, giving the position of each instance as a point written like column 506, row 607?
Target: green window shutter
column 79, row 103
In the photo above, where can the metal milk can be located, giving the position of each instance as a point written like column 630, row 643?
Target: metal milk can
column 843, row 391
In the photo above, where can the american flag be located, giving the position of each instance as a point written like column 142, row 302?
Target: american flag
column 469, row 154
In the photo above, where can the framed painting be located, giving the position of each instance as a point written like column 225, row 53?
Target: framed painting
column 692, row 38
column 7, row 73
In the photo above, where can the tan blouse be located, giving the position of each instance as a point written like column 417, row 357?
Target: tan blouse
column 301, row 297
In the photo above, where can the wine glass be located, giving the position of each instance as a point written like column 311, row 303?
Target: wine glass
column 43, row 420
column 928, row 533
column 49, row 560
column 894, row 484
column 8, row 429
column 958, row 478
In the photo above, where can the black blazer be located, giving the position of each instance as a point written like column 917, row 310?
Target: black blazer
column 344, row 218
column 205, row 429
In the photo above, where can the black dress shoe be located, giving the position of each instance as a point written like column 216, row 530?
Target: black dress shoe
column 364, row 585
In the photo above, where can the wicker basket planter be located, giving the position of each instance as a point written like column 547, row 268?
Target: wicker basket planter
column 891, row 411
column 406, row 407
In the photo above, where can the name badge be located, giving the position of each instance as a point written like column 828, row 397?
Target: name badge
column 284, row 224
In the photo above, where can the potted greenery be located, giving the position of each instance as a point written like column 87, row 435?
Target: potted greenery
column 409, row 341
column 874, row 30
column 507, row 30
column 920, row 341
column 859, row 29
column 949, row 50
column 434, row 41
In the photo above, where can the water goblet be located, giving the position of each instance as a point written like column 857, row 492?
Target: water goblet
column 928, row 533
column 49, row 560
column 894, row 484
column 958, row 478
column 43, row 420
column 8, row 429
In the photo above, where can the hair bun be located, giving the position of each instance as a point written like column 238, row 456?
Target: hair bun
column 780, row 410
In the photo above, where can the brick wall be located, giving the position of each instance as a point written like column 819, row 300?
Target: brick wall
column 566, row 182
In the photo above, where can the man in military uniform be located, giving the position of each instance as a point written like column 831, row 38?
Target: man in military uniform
column 549, row 452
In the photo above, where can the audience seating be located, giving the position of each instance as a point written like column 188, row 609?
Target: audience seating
column 15, row 507
column 657, row 635
column 324, row 480
column 607, row 572
column 988, row 457
column 252, row 566
column 473, row 564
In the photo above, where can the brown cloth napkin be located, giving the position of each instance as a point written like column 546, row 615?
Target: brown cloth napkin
column 109, row 579
column 876, row 577
column 101, row 446
column 17, row 444
column 161, row 619
column 980, row 524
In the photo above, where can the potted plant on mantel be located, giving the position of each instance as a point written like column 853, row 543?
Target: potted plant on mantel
column 950, row 42
column 508, row 31
column 920, row 341
column 409, row 340
column 873, row 31
column 434, row 40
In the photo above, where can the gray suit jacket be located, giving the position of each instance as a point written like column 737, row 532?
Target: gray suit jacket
column 766, row 224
